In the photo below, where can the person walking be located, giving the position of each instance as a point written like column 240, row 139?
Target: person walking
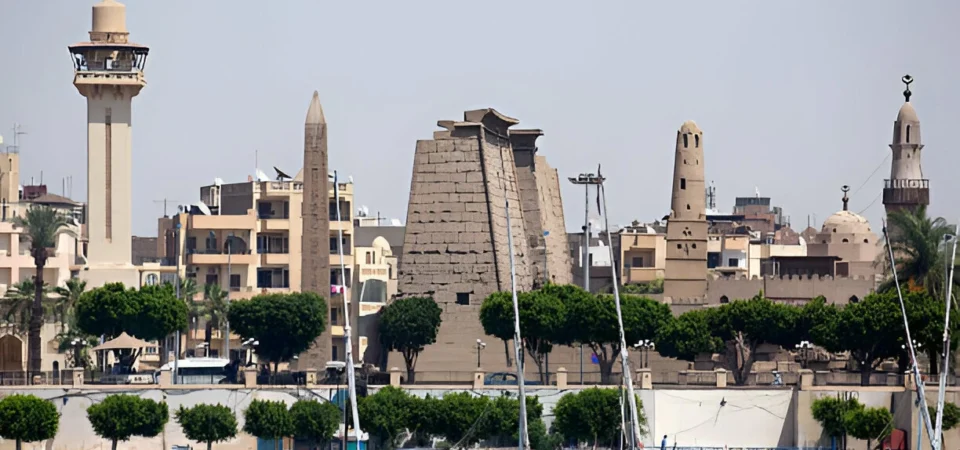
column 663, row 444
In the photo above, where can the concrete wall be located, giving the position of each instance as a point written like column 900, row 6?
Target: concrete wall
column 757, row 418
column 835, row 290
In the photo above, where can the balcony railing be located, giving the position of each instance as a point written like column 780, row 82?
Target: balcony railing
column 906, row 184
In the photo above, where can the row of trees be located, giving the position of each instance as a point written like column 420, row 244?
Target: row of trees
column 846, row 416
column 871, row 330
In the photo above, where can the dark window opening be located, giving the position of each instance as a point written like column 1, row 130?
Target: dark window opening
column 908, row 134
column 683, row 183
column 688, row 207
column 694, row 245
column 845, row 240
column 724, row 299
column 854, row 299
column 685, row 144
column 866, row 241
column 681, row 246
column 696, row 141
column 733, row 262
column 333, row 316
column 463, row 298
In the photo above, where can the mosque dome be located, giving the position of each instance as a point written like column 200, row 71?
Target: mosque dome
column 907, row 113
column 109, row 16
column 846, row 222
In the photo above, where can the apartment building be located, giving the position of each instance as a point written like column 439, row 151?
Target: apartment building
column 261, row 221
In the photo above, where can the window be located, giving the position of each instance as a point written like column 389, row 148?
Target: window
column 211, row 242
column 638, row 262
column 724, row 299
column 683, row 185
column 333, row 245
column 333, row 316
column 234, row 281
column 152, row 279
column 696, row 141
column 694, row 245
column 733, row 262
column 845, row 240
column 333, row 353
column 370, row 259
column 590, row 263
column 679, row 246
column 867, row 241
column 463, row 298
column 685, row 144
column 191, row 243
column 854, row 299
column 688, row 207
column 211, row 279
column 908, row 140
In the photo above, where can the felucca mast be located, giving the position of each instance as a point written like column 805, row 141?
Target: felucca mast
column 624, row 356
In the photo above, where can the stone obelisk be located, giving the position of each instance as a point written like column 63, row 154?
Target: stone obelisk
column 315, row 264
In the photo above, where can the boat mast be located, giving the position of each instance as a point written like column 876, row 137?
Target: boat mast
column 351, row 377
column 918, row 379
column 624, row 356
column 938, row 428
column 524, row 438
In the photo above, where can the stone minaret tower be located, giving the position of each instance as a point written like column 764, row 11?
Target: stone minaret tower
column 906, row 187
column 109, row 73
column 315, row 263
column 686, row 262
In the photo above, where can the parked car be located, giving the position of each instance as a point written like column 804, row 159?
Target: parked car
column 506, row 379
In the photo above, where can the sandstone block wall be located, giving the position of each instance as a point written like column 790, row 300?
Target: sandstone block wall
column 455, row 246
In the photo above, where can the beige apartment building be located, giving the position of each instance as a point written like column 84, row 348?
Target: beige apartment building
column 262, row 221
column 643, row 250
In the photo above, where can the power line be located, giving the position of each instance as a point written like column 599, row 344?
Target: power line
column 871, row 175
column 871, row 203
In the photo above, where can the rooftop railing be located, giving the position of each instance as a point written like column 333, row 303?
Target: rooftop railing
column 906, row 184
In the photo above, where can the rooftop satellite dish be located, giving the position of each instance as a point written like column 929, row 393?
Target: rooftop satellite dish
column 366, row 211
column 350, row 179
column 217, row 181
column 281, row 175
column 203, row 208
column 395, row 223
column 261, row 176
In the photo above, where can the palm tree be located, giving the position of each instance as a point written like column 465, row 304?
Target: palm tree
column 18, row 305
column 915, row 239
column 68, row 294
column 188, row 290
column 42, row 226
column 215, row 309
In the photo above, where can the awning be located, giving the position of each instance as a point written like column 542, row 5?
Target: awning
column 123, row 342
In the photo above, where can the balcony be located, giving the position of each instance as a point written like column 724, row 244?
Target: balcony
column 244, row 222
column 906, row 192
column 643, row 274
column 275, row 188
column 275, row 224
column 275, row 259
column 906, row 184
column 219, row 257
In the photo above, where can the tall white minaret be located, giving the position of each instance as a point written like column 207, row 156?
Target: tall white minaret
column 109, row 73
column 906, row 187
column 685, row 273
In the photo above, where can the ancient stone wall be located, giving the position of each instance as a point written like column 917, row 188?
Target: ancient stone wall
column 794, row 289
column 559, row 264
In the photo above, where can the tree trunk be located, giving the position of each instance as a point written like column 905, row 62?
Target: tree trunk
column 208, row 330
column 36, row 317
column 606, row 367
column 114, row 445
column 411, row 373
column 18, row 444
column 209, row 445
column 506, row 352
column 865, row 372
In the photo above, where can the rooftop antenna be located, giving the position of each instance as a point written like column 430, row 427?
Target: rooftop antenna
column 757, row 191
column 164, row 201
column 17, row 132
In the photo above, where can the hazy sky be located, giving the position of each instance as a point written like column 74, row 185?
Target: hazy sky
column 794, row 98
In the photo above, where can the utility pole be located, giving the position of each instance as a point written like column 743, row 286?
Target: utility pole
column 585, row 179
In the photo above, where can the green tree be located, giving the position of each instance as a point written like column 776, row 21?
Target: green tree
column 268, row 420
column 869, row 424
column 687, row 336
column 925, row 314
column 915, row 239
column 744, row 325
column 496, row 317
column 386, row 414
column 18, row 305
column 871, row 330
column 41, row 226
column 67, row 297
column 501, row 423
column 27, row 418
column 951, row 415
column 207, row 423
column 424, row 420
column 408, row 325
column 591, row 320
column 284, row 324
column 151, row 313
column 460, row 416
column 120, row 417
column 314, row 422
column 593, row 417
column 831, row 413
column 214, row 309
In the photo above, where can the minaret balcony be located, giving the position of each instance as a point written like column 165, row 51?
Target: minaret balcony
column 906, row 192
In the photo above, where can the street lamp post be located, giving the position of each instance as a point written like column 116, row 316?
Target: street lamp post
column 804, row 349
column 585, row 179
column 916, row 345
column 480, row 346
column 645, row 345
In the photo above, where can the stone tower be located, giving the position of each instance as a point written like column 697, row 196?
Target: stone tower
column 455, row 246
column 315, row 262
column 686, row 262
column 108, row 71
column 906, row 187
column 542, row 210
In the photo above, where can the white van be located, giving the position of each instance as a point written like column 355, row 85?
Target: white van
column 197, row 370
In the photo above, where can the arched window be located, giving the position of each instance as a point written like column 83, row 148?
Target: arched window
column 724, row 299
column 151, row 279
column 685, row 143
column 696, row 140
column 854, row 299
column 867, row 241
column 845, row 240
column 908, row 134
